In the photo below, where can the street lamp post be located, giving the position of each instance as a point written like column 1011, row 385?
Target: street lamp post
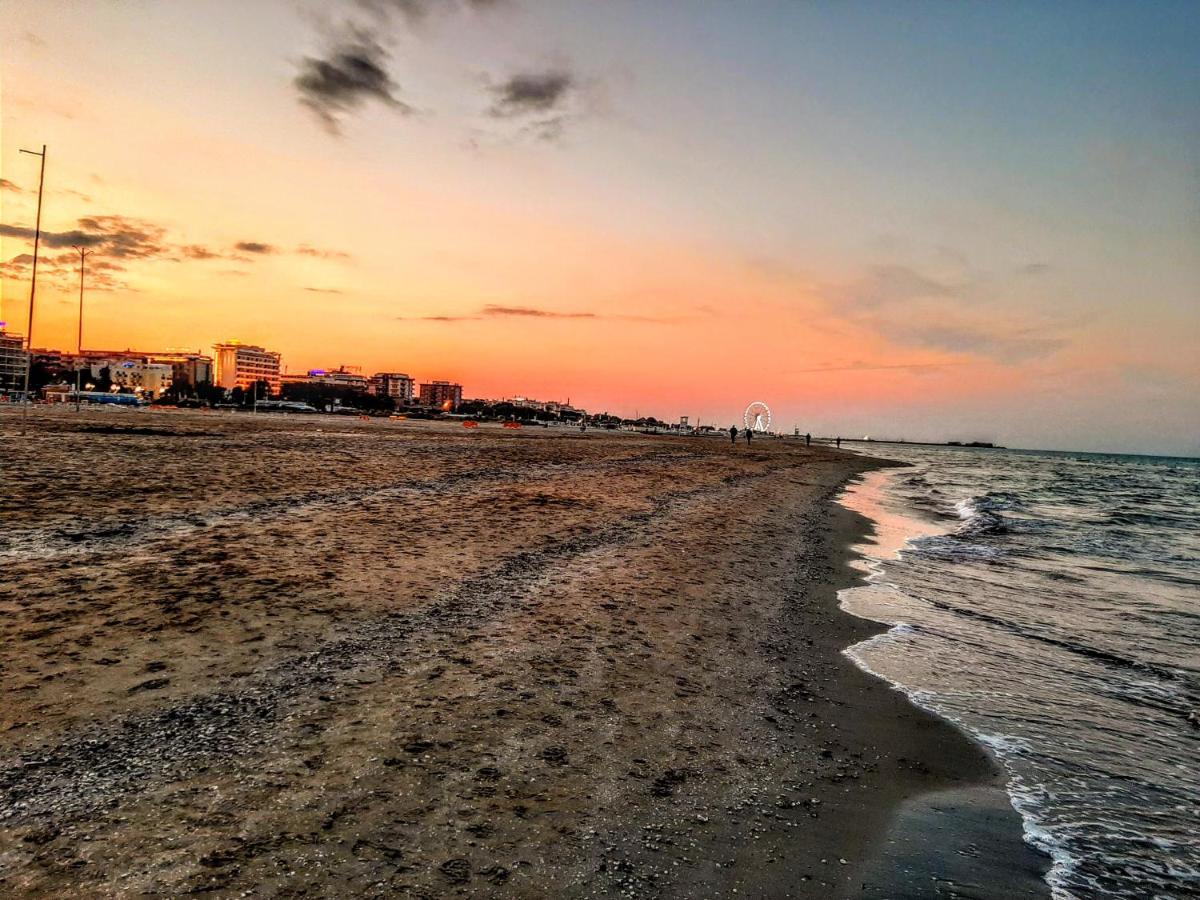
column 37, row 238
column 83, row 255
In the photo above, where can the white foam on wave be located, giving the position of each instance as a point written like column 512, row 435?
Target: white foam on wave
column 1003, row 747
column 1024, row 800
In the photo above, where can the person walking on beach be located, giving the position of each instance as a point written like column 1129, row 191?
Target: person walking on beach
column 748, row 430
column 807, row 440
column 839, row 441
column 733, row 434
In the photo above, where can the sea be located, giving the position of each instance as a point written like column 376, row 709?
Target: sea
column 1049, row 604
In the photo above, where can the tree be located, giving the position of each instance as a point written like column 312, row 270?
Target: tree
column 210, row 393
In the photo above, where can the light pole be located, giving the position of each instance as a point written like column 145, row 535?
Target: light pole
column 83, row 255
column 37, row 238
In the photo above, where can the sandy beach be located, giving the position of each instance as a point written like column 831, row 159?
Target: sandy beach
column 331, row 657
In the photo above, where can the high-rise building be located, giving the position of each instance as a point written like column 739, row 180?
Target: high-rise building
column 241, row 365
column 12, row 360
column 439, row 393
column 396, row 385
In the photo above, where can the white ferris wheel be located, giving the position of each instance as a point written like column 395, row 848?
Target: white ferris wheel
column 757, row 417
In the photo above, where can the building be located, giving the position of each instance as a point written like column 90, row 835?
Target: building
column 553, row 407
column 187, row 368
column 440, row 393
column 396, row 385
column 346, row 377
column 242, row 365
column 145, row 378
column 12, row 360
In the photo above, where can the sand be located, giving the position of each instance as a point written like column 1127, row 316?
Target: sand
column 328, row 657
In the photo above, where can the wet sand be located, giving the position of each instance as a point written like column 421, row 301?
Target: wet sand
column 327, row 657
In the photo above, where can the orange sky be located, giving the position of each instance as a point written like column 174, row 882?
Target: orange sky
column 676, row 233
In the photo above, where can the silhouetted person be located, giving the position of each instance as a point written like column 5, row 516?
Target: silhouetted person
column 807, row 440
column 748, row 430
column 839, row 441
column 733, row 434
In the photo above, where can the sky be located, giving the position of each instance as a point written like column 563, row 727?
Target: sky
column 928, row 221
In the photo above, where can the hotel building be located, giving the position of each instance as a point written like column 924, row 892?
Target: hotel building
column 147, row 378
column 396, row 385
column 241, row 365
column 186, row 368
column 12, row 360
column 439, row 393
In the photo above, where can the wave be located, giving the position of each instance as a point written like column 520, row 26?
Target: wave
column 1071, row 579
column 981, row 515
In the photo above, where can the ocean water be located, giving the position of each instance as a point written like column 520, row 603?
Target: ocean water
column 1049, row 603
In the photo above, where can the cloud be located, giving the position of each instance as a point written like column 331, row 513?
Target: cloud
column 196, row 251
column 965, row 316
column 61, row 271
column 257, row 247
column 116, row 236
column 353, row 72
column 497, row 311
column 414, row 12
column 321, row 290
column 866, row 367
column 989, row 341
column 530, row 312
column 115, row 242
column 6, row 185
column 531, row 93
column 890, row 285
column 437, row 318
column 306, row 250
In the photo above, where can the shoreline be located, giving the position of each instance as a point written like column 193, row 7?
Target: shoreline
column 944, row 840
column 593, row 665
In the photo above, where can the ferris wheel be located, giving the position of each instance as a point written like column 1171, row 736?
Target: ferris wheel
column 757, row 417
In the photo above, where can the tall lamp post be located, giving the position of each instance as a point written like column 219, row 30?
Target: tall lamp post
column 37, row 238
column 84, row 253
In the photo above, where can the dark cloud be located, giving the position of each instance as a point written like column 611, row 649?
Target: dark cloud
column 257, row 247
column 6, row 185
column 531, row 93
column 494, row 311
column 306, row 250
column 530, row 312
column 437, row 318
column 196, row 251
column 115, row 236
column 414, row 12
column 353, row 72
column 61, row 271
column 320, row 290
column 115, row 241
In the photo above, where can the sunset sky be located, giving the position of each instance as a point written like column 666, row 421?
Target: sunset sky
column 919, row 220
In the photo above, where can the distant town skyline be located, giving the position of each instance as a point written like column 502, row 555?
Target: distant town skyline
column 990, row 230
